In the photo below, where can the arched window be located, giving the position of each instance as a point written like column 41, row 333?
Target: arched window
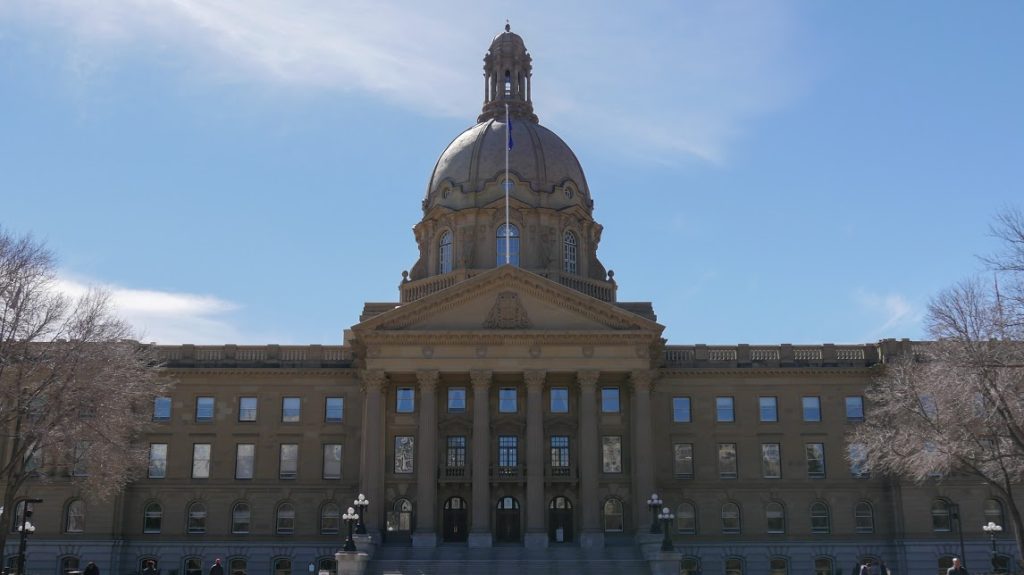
column 193, row 566
column 241, row 517
column 569, row 253
column 730, row 518
column 330, row 518
column 152, row 518
column 612, row 512
column 775, row 517
column 285, row 519
column 196, row 518
column 733, row 566
column 778, row 566
column 686, row 518
column 864, row 517
column 327, row 564
column 238, row 566
column 74, row 522
column 513, row 244
column 689, row 566
column 820, row 520
column 400, row 516
column 994, row 512
column 940, row 515
column 69, row 564
column 282, row 566
column 508, row 503
column 823, row 566
column 148, row 562
column 444, row 253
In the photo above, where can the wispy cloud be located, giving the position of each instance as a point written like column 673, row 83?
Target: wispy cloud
column 163, row 316
column 895, row 313
column 701, row 69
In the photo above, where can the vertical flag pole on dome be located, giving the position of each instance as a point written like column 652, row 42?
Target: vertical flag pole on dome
column 507, row 185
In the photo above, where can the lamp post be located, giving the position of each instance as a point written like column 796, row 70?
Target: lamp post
column 954, row 513
column 26, row 529
column 993, row 529
column 350, row 517
column 666, row 516
column 361, row 504
column 654, row 504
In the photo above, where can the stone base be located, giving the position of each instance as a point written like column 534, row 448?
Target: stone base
column 366, row 544
column 427, row 539
column 664, row 563
column 592, row 539
column 649, row 543
column 480, row 539
column 535, row 540
column 351, row 563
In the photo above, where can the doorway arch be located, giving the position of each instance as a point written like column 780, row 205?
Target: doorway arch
column 455, row 523
column 506, row 521
column 560, row 520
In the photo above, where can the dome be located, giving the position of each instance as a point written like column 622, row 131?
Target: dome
column 544, row 169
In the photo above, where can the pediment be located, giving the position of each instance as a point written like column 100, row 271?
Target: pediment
column 504, row 300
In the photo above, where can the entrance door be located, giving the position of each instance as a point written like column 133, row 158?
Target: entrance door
column 455, row 520
column 507, row 521
column 399, row 523
column 560, row 520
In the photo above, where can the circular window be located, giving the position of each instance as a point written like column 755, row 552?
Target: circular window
column 568, row 193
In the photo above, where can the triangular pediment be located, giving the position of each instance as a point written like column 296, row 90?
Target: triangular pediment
column 508, row 299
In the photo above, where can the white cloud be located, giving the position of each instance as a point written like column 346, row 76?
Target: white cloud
column 665, row 82
column 166, row 317
column 896, row 313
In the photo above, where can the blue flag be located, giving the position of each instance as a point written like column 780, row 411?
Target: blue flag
column 510, row 142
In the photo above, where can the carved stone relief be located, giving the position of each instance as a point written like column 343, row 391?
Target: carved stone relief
column 507, row 313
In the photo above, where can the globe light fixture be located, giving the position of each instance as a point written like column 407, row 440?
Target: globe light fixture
column 654, row 504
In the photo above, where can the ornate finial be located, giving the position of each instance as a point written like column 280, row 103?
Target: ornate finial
column 508, row 27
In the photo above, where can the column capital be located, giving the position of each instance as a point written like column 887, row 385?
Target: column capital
column 427, row 379
column 373, row 379
column 481, row 378
column 642, row 379
column 535, row 378
column 587, row 378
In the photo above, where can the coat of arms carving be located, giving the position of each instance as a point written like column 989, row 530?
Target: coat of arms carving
column 508, row 313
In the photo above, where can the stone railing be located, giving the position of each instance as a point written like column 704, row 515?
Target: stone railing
column 785, row 355
column 254, row 355
column 456, row 473
column 416, row 289
column 508, row 473
column 561, row 474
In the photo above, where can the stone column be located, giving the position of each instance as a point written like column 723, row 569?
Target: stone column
column 480, row 531
column 592, row 534
column 371, row 463
column 643, row 455
column 536, row 535
column 426, row 467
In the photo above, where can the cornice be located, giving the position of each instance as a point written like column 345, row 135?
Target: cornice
column 509, row 337
column 687, row 372
column 268, row 371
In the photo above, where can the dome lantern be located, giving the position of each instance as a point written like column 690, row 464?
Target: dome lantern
column 508, row 75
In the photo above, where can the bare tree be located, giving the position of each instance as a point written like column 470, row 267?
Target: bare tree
column 75, row 389
column 955, row 405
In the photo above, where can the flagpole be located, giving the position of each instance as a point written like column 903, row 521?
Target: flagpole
column 508, row 232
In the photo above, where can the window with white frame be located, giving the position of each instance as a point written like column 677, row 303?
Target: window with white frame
column 196, row 518
column 74, row 521
column 285, row 519
column 569, row 253
column 820, row 520
column 241, row 517
column 775, row 517
column 864, row 517
column 330, row 518
column 444, row 253
column 332, row 460
column 157, row 460
column 771, row 461
column 815, row 460
column 511, row 238
column 289, row 463
column 200, row 460
column 682, row 460
column 730, row 518
column 727, row 464
column 245, row 460
column 152, row 518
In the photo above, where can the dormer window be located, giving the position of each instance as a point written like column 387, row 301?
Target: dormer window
column 511, row 240
column 444, row 253
column 569, row 253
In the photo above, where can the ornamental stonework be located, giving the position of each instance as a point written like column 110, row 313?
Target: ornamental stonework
column 507, row 313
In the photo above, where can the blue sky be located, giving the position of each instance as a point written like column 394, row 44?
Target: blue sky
column 766, row 172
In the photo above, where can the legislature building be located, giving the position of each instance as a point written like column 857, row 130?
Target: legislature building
column 509, row 399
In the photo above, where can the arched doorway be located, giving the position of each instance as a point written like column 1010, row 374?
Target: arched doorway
column 399, row 523
column 455, row 522
column 560, row 520
column 507, row 520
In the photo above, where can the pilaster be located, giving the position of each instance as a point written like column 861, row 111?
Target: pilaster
column 371, row 465
column 426, row 471
column 591, row 535
column 480, row 530
column 535, row 536
column 643, row 455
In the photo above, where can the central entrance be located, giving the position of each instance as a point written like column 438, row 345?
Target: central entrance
column 560, row 520
column 455, row 521
column 506, row 521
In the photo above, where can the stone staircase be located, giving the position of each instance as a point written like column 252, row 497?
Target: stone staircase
column 460, row 560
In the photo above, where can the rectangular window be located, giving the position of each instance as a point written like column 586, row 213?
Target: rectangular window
column 405, row 400
column 200, row 460
column 204, row 409
column 858, row 460
column 559, row 400
column 609, row 400
column 245, row 460
column 456, row 455
column 162, row 409
column 247, row 408
column 769, row 409
column 334, row 409
column 404, row 454
column 79, row 458
column 289, row 465
column 771, row 461
column 815, row 460
column 727, row 467
column 681, row 409
column 332, row 460
column 456, row 399
column 611, row 453
column 812, row 408
column 507, row 400
column 291, row 409
column 724, row 409
column 682, row 460
column 854, row 408
column 508, row 451
column 157, row 460
column 559, row 455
